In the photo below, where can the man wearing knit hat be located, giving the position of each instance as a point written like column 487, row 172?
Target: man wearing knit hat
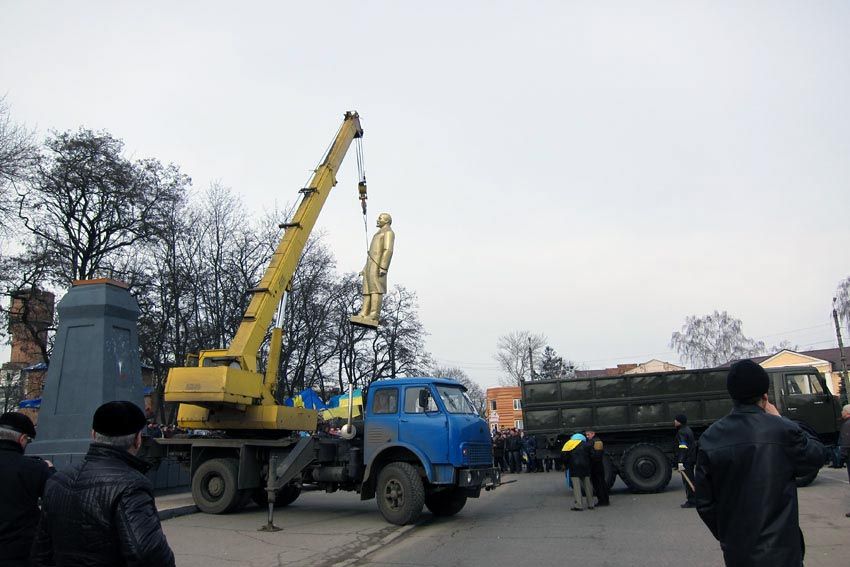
column 103, row 513
column 22, row 481
column 745, row 475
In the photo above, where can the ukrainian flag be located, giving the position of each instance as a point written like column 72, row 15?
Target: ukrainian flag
column 573, row 442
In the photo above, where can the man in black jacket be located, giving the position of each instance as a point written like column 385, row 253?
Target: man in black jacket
column 745, row 475
column 597, row 468
column 22, row 481
column 844, row 441
column 686, row 456
column 103, row 513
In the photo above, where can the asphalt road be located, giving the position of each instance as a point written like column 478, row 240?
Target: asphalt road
column 527, row 522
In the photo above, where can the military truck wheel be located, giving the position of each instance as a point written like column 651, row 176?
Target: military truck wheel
column 214, row 486
column 400, row 493
column 446, row 503
column 610, row 470
column 645, row 468
column 806, row 480
column 284, row 497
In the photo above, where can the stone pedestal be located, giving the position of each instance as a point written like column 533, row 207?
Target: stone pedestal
column 95, row 360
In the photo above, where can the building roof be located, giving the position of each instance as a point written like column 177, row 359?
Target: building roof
column 832, row 355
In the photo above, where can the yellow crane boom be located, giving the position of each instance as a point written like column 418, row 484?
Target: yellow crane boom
column 224, row 390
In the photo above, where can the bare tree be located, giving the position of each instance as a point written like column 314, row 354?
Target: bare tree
column 513, row 356
column 842, row 301
column 473, row 389
column 87, row 202
column 714, row 339
column 17, row 153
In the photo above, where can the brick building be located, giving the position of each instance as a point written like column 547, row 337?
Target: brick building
column 30, row 319
column 504, row 407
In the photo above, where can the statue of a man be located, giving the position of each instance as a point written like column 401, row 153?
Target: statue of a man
column 375, row 272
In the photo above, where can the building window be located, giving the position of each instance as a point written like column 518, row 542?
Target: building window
column 492, row 405
column 518, row 423
column 517, row 405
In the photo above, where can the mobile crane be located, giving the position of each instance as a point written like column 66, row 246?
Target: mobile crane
column 419, row 441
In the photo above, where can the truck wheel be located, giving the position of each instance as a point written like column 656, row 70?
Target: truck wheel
column 400, row 493
column 806, row 480
column 214, row 486
column 284, row 497
column 610, row 470
column 446, row 503
column 645, row 468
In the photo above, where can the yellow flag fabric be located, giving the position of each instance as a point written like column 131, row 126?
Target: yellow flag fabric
column 571, row 444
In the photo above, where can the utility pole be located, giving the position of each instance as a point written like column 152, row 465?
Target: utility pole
column 530, row 361
column 841, row 351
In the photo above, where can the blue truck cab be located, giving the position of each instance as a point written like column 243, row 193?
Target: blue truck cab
column 424, row 444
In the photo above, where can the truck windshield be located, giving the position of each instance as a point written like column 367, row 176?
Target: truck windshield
column 455, row 400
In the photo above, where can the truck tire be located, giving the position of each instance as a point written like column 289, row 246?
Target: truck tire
column 284, row 497
column 214, row 486
column 807, row 479
column 645, row 468
column 446, row 503
column 610, row 470
column 400, row 493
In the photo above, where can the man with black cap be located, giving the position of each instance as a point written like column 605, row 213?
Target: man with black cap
column 686, row 456
column 22, row 481
column 745, row 475
column 103, row 512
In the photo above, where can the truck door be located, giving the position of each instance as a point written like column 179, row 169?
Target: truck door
column 381, row 420
column 805, row 399
column 424, row 427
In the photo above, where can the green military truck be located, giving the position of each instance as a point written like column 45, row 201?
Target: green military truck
column 633, row 414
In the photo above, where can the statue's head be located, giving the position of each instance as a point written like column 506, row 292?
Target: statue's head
column 384, row 218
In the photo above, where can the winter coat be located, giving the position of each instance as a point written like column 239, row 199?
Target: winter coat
column 686, row 446
column 745, row 486
column 101, row 514
column 22, row 481
column 578, row 460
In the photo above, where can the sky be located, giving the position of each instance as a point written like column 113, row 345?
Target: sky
column 595, row 172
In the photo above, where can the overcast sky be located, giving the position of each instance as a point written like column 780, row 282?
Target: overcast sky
column 595, row 172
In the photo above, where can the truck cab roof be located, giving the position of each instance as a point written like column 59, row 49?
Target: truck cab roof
column 416, row 381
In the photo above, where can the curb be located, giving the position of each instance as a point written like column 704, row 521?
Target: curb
column 177, row 512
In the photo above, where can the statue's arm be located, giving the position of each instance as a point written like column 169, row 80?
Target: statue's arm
column 389, row 243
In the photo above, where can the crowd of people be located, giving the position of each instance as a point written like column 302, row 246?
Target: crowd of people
column 740, row 474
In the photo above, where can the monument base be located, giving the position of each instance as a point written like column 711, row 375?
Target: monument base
column 364, row 321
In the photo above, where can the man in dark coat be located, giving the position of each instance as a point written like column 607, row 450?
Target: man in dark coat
column 513, row 451
column 686, row 456
column 844, row 441
column 597, row 468
column 22, row 481
column 103, row 513
column 499, row 451
column 576, row 456
column 745, row 475
column 529, row 447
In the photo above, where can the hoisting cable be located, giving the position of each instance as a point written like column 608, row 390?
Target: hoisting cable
column 361, row 176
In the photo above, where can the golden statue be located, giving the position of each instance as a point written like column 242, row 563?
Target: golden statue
column 375, row 273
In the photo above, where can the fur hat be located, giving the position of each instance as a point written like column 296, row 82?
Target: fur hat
column 681, row 418
column 17, row 422
column 115, row 419
column 747, row 380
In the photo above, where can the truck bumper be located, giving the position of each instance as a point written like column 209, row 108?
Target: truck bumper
column 487, row 478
